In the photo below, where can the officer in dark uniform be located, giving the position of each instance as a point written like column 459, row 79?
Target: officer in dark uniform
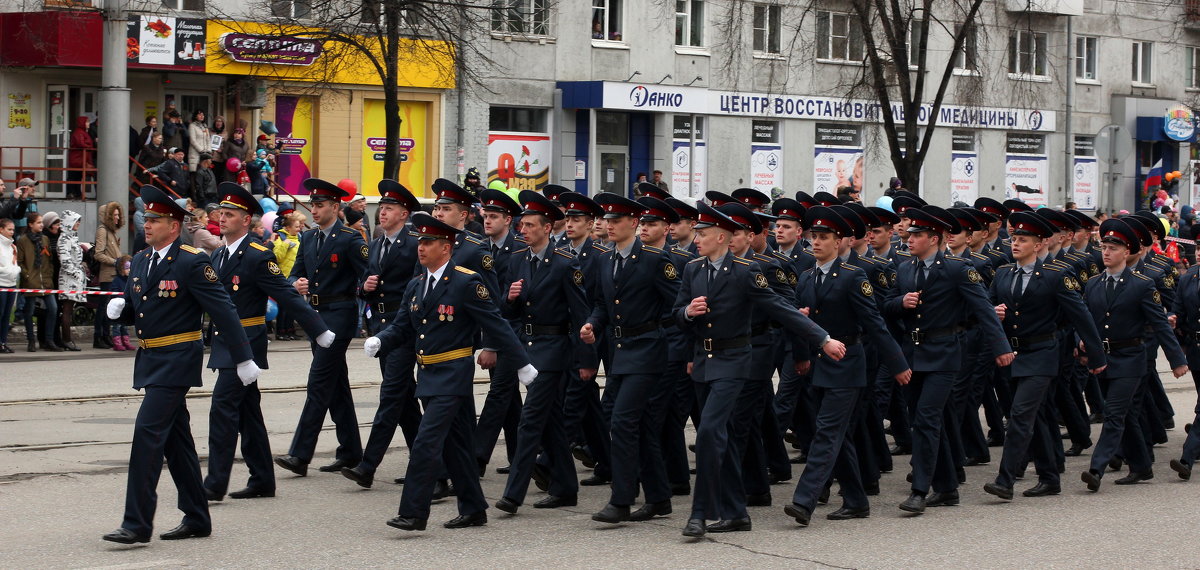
column 886, row 393
column 647, row 189
column 1032, row 296
column 718, row 295
column 552, row 192
column 1124, row 304
column 932, row 297
column 1159, row 415
column 995, row 208
column 391, row 263
column 249, row 274
column 1187, row 310
column 445, row 307
column 683, row 232
column 545, row 282
column 170, row 287
column 839, row 297
column 1086, row 387
column 328, row 269
column 635, row 293
column 790, row 403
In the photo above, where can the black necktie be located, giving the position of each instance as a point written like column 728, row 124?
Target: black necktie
column 618, row 264
column 820, row 278
column 1019, row 284
column 1111, row 290
column 320, row 239
column 153, row 263
column 712, row 273
column 533, row 265
column 429, row 288
column 224, row 258
column 495, row 251
column 921, row 275
column 387, row 246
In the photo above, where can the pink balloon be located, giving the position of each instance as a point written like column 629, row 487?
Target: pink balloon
column 234, row 164
column 268, row 220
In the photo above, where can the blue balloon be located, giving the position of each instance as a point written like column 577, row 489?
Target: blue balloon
column 268, row 205
column 272, row 309
column 884, row 202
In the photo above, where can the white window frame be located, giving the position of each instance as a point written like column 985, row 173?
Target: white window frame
column 1031, row 45
column 966, row 60
column 771, row 32
column 1086, row 59
column 1192, row 77
column 689, row 14
column 527, row 18
column 853, row 38
column 609, row 37
column 291, row 9
column 365, row 15
column 1142, row 63
column 178, row 5
column 914, row 30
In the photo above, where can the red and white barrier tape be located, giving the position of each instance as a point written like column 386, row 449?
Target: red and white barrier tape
column 1181, row 240
column 60, row 292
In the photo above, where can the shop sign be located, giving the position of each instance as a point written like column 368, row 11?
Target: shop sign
column 520, row 160
column 275, row 50
column 161, row 41
column 18, row 111
column 290, row 145
column 1179, row 125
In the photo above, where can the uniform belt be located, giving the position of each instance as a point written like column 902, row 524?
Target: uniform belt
column 169, row 340
column 254, row 321
column 1027, row 341
column 760, row 329
column 318, row 300
column 918, row 336
column 441, row 357
column 641, row 328
column 668, row 323
column 385, row 308
column 848, row 340
column 711, row 344
column 1111, row 345
column 1192, row 336
column 532, row 329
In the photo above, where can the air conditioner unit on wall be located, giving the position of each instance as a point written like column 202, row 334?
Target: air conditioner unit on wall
column 252, row 93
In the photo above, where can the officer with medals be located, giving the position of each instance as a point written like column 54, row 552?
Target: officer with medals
column 170, row 287
column 1124, row 304
column 250, row 275
column 545, row 281
column 391, row 264
column 932, row 297
column 1032, row 296
column 718, row 292
column 838, row 297
column 446, row 305
column 328, row 269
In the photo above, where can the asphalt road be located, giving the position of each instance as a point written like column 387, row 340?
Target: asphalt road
column 67, row 421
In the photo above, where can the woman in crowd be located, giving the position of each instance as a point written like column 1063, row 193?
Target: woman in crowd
column 108, row 249
column 151, row 155
column 286, row 246
column 51, row 229
column 81, row 158
column 37, row 272
column 235, row 146
column 71, row 275
column 10, row 275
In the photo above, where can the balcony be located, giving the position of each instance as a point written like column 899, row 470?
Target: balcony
column 1191, row 14
column 1050, row 7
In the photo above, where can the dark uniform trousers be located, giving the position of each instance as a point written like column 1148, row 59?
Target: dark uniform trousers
column 635, row 405
column 445, row 437
column 541, row 428
column 502, row 405
column 932, row 459
column 719, row 470
column 1122, row 395
column 584, row 420
column 679, row 402
column 1029, row 402
column 832, row 451
column 1191, row 445
column 163, row 429
column 398, row 406
column 329, row 391
column 236, row 410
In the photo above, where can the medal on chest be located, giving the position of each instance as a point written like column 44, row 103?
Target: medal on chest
column 333, row 260
column 236, row 281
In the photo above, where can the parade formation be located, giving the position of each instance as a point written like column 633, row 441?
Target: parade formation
column 897, row 340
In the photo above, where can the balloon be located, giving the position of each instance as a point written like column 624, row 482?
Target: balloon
column 350, row 187
column 272, row 309
column 268, row 205
column 1177, row 174
column 884, row 202
column 268, row 220
column 233, row 164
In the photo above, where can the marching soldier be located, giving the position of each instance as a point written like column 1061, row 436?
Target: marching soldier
column 331, row 261
column 249, row 274
column 170, row 286
column 791, row 404
column 392, row 261
column 683, row 232
column 444, row 310
column 1001, row 212
column 1187, row 310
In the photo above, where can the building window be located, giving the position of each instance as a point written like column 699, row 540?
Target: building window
column 766, row 28
column 528, row 17
column 914, row 42
column 1143, row 63
column 689, row 23
column 1085, row 57
column 375, row 12
column 292, row 9
column 1027, row 53
column 1193, row 68
column 184, row 5
column 517, row 119
column 967, row 57
column 606, row 20
column 839, row 37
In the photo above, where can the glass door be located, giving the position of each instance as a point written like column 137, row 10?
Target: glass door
column 58, row 138
column 614, row 166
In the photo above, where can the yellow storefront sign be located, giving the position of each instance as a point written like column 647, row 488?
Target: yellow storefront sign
column 300, row 54
column 413, row 146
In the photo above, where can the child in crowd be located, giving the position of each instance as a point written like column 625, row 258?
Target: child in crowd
column 120, row 336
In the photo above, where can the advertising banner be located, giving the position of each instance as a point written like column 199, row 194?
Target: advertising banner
column 413, row 146
column 1026, row 178
column 158, row 41
column 1087, row 182
column 766, row 168
column 964, row 177
column 680, row 161
column 294, row 119
column 520, row 160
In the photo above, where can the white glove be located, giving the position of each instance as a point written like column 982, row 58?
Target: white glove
column 371, row 346
column 527, row 374
column 248, row 371
column 116, row 306
column 325, row 339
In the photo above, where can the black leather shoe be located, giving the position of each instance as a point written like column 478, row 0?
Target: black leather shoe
column 5, row 349
column 31, row 347
column 612, row 514
column 799, row 459
column 973, row 461
column 125, row 536
column 1133, row 478
column 871, row 489
column 799, row 513
column 823, row 498
column 359, row 475
column 1096, row 418
column 585, row 458
column 1042, row 490
column 681, row 489
column 900, row 450
column 541, row 477
column 213, row 495
column 252, row 493
column 913, row 504
column 405, row 523
column 734, row 525
column 553, row 502
column 847, row 513
column 763, row 500
column 71, row 346
column 1169, row 423
column 504, row 470
column 947, row 499
column 998, row 490
column 507, row 505
column 1116, row 463
column 995, row 442
column 464, row 521
column 441, row 490
column 293, row 464
column 595, row 481
column 1184, row 471
column 777, row 478
column 184, row 531
column 651, row 510
column 695, row 528
column 398, row 480
column 1092, row 479
column 962, row 475
column 336, row 466
column 908, row 478
column 51, row 347
column 1076, row 450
